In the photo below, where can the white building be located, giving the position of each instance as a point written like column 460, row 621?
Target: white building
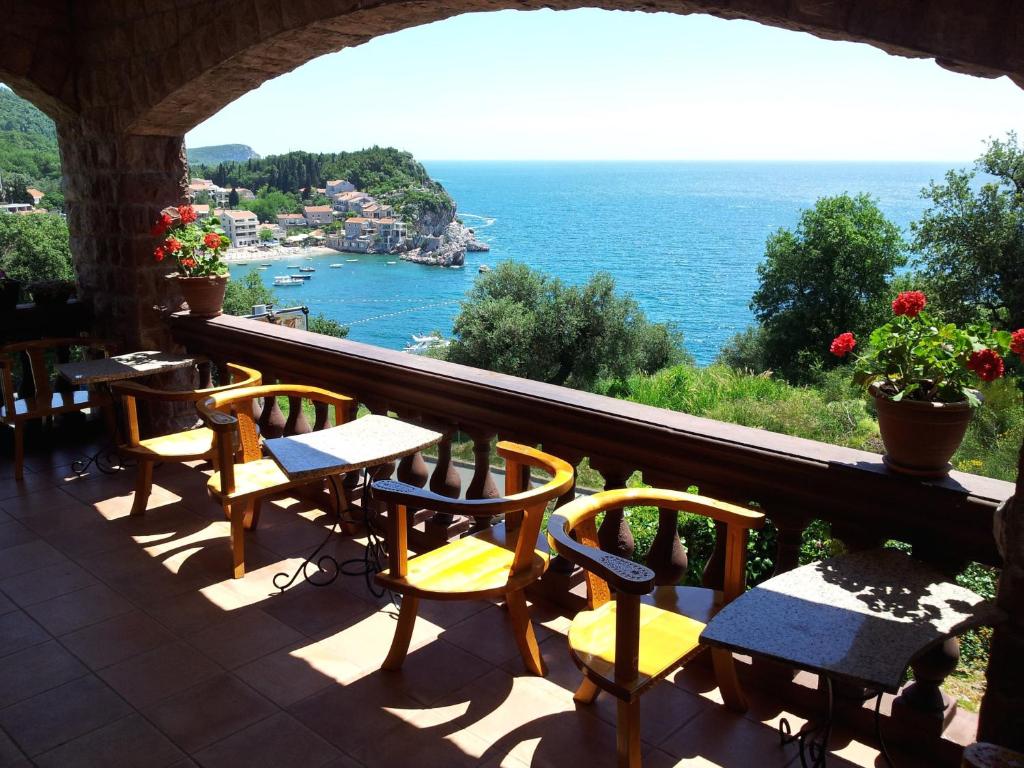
column 291, row 220
column 240, row 227
column 339, row 185
column 318, row 215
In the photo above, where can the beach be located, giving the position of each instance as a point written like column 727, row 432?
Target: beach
column 254, row 254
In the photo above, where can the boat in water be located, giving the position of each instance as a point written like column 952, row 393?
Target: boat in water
column 337, row 266
column 351, row 259
column 266, row 264
column 483, row 268
column 423, row 343
column 282, row 280
column 263, row 269
column 303, row 277
column 307, row 269
column 392, row 262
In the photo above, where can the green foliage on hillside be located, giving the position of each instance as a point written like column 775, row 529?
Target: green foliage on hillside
column 242, row 294
column 21, row 116
column 520, row 321
column 28, row 151
column 221, row 153
column 35, row 248
column 389, row 174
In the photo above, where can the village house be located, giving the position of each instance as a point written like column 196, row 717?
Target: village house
column 15, row 208
column 35, row 194
column 339, row 185
column 202, row 210
column 240, row 227
column 391, row 232
column 350, row 201
column 318, row 215
column 276, row 233
column 244, row 193
column 218, row 195
column 291, row 220
column 359, row 234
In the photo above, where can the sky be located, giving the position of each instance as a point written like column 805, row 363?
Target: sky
column 611, row 85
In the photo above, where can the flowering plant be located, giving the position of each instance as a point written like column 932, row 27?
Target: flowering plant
column 195, row 246
column 915, row 357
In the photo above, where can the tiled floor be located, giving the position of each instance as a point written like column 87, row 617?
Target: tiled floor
column 123, row 642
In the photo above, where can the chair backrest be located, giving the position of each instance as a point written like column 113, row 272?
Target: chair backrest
column 131, row 392
column 36, row 372
column 522, row 506
column 572, row 532
column 231, row 416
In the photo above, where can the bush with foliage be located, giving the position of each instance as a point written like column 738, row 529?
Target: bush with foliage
column 34, row 248
column 241, row 295
column 327, row 326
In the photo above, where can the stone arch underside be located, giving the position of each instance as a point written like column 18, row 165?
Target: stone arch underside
column 161, row 67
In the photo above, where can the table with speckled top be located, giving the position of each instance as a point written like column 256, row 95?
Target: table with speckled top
column 860, row 618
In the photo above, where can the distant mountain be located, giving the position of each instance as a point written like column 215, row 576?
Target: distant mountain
column 222, row 153
column 21, row 116
column 28, row 151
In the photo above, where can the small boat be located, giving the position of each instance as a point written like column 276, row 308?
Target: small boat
column 351, row 259
column 263, row 269
column 303, row 277
column 423, row 343
column 392, row 262
column 283, row 280
column 483, row 268
column 309, row 258
column 266, row 264
column 292, row 266
column 336, row 266
column 307, row 269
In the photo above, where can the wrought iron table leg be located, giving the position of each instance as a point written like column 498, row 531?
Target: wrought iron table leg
column 812, row 739
column 108, row 460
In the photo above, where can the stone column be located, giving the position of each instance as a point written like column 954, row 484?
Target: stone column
column 115, row 186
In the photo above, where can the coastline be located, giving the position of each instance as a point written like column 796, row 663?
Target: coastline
column 253, row 255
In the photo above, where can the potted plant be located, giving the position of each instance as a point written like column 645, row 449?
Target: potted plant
column 196, row 248
column 922, row 374
column 10, row 290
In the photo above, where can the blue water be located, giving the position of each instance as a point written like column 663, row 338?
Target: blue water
column 684, row 238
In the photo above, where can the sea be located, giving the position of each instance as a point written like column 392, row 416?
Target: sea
column 683, row 238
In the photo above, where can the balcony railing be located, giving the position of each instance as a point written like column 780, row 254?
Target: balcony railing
column 948, row 522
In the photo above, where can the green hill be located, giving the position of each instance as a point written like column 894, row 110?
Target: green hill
column 221, row 153
column 28, row 151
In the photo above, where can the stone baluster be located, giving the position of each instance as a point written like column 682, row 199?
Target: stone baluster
column 271, row 420
column 204, row 374
column 321, row 416
column 789, row 527
column 560, row 565
column 482, row 485
column 713, row 575
column 412, row 469
column 297, row 423
column 62, row 385
column 667, row 556
column 614, row 534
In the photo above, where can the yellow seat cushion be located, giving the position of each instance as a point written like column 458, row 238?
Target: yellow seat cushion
column 666, row 639
column 252, row 479
column 465, row 567
column 193, row 443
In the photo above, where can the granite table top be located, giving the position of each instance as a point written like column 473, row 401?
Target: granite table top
column 357, row 444
column 122, row 367
column 861, row 617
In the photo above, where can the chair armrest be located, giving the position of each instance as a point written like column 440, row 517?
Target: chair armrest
column 409, row 495
column 622, row 574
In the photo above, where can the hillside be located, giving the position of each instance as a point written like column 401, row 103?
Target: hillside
column 221, row 153
column 28, row 151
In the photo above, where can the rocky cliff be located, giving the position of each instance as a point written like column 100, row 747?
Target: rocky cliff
column 447, row 249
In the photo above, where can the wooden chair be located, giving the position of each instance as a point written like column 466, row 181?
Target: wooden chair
column 38, row 398
column 497, row 562
column 189, row 445
column 243, row 476
column 625, row 645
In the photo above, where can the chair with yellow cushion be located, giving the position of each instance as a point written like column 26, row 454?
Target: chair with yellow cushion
column 625, row 645
column 498, row 562
column 243, row 476
column 189, row 445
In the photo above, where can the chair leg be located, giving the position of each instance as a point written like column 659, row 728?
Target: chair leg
column 627, row 734
column 523, row 630
column 728, row 682
column 587, row 692
column 237, row 518
column 403, row 633
column 19, row 452
column 143, row 487
column 252, row 514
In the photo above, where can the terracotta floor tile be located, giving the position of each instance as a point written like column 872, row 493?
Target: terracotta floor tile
column 295, row 537
column 24, row 558
column 425, row 738
column 10, row 755
column 292, row 674
column 61, row 714
column 36, row 669
column 315, row 610
column 18, row 631
column 47, row 583
column 723, row 738
column 15, row 491
column 128, row 743
column 89, row 540
column 242, row 636
column 6, row 604
column 437, row 669
column 208, row 712
column 66, row 613
column 353, row 717
column 488, row 634
column 447, row 613
column 157, row 674
column 365, row 643
column 663, row 710
column 280, row 741
column 13, row 533
column 64, row 514
column 117, row 639
column 192, row 611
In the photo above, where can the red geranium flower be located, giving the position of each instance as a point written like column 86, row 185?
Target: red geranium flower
column 172, row 244
column 987, row 363
column 1017, row 342
column 188, row 263
column 187, row 214
column 159, row 253
column 211, row 240
column 161, row 226
column 909, row 303
column 843, row 344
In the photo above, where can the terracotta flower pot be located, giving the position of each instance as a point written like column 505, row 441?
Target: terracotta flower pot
column 920, row 437
column 205, row 295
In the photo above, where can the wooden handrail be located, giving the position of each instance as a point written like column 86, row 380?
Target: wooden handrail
column 738, row 464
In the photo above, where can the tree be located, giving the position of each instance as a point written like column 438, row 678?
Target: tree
column 828, row 276
column 522, row 322
column 242, row 295
column 327, row 326
column 970, row 242
column 35, row 247
column 266, row 234
column 233, row 198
